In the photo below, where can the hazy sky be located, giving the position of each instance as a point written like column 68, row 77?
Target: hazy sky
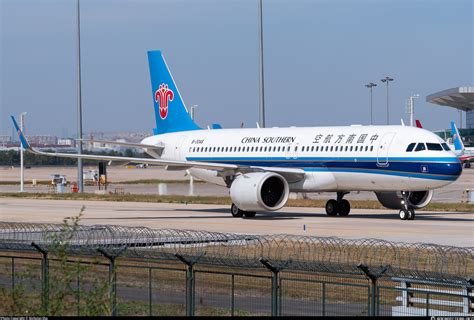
column 318, row 56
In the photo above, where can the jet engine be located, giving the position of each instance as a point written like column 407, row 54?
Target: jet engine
column 416, row 199
column 259, row 191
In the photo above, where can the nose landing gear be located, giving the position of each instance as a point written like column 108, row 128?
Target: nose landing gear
column 407, row 212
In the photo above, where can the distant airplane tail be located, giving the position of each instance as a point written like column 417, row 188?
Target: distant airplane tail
column 458, row 144
column 22, row 137
column 170, row 112
column 418, row 123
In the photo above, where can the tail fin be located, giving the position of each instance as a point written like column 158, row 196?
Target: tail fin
column 170, row 112
column 418, row 123
column 458, row 145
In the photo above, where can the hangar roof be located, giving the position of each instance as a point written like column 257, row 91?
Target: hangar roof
column 461, row 98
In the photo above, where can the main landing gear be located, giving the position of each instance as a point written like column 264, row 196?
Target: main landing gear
column 237, row 213
column 340, row 207
column 407, row 212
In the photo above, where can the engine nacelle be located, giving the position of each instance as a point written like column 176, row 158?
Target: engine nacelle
column 259, row 191
column 417, row 199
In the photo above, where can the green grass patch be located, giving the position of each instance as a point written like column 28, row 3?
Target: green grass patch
column 320, row 203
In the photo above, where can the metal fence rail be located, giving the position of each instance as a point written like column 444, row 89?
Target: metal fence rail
column 283, row 274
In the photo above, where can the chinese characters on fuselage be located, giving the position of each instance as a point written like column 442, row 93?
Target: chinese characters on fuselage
column 342, row 138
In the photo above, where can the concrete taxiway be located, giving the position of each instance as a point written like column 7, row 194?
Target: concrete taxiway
column 455, row 229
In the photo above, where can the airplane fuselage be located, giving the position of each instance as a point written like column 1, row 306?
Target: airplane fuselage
column 349, row 158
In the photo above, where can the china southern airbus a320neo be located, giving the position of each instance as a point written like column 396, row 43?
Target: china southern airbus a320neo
column 261, row 166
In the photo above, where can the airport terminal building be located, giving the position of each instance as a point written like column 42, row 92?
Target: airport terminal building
column 461, row 98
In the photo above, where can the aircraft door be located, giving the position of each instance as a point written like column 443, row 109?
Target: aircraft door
column 179, row 152
column 383, row 148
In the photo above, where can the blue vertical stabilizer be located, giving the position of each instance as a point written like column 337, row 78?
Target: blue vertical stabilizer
column 170, row 112
column 458, row 145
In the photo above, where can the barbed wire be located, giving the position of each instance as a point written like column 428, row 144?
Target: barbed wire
column 303, row 253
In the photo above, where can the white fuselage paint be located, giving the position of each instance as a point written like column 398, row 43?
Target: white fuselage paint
column 382, row 148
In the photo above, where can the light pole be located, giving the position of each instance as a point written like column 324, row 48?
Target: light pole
column 22, row 173
column 370, row 85
column 80, row 182
column 387, row 80
column 412, row 108
column 262, row 91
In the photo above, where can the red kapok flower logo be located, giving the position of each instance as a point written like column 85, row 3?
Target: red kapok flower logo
column 162, row 96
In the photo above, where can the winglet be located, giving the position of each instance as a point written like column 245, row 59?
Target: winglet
column 23, row 140
column 458, row 145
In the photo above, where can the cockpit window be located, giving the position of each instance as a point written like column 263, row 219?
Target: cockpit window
column 434, row 146
column 420, row 147
column 445, row 147
column 410, row 147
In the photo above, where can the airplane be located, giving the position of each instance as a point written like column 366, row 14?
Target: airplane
column 261, row 166
column 465, row 155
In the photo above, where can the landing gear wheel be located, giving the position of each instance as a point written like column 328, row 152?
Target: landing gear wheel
column 236, row 212
column 331, row 208
column 403, row 214
column 249, row 214
column 411, row 214
column 344, row 208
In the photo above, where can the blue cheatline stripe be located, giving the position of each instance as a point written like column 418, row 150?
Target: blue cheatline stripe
column 421, row 169
column 400, row 159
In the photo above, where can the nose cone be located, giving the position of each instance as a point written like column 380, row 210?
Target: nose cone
column 454, row 169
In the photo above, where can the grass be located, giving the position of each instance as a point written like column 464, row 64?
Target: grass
column 318, row 203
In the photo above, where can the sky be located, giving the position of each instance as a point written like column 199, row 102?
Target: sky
column 318, row 55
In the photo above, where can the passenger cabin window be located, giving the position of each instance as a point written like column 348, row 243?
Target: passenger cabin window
column 420, row 147
column 410, row 147
column 445, row 147
column 434, row 146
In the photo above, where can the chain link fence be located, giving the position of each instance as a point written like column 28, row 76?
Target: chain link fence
column 73, row 269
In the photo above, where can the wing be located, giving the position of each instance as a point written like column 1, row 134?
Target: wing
column 292, row 175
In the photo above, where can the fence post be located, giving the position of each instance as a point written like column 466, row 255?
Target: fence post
column 324, row 298
column 468, row 300
column 275, row 270
column 44, row 276
column 112, row 277
column 13, row 274
column 373, row 276
column 78, row 287
column 190, row 282
column 232, row 301
column 150, row 294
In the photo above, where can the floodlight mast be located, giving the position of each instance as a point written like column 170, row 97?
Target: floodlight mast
column 370, row 85
column 386, row 80
column 80, row 169
column 22, row 172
